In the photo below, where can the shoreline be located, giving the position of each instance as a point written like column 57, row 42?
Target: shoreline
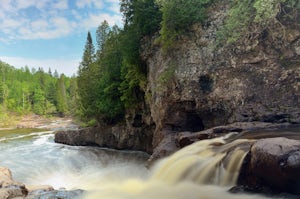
column 36, row 121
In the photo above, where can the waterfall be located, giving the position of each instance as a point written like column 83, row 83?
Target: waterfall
column 203, row 170
column 205, row 162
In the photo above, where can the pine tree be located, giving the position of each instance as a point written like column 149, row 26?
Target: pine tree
column 50, row 72
column 85, row 80
column 56, row 75
column 88, row 54
column 102, row 35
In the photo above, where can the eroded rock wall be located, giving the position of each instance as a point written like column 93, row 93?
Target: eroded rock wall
column 199, row 85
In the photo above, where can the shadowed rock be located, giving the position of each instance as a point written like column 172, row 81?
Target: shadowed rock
column 273, row 165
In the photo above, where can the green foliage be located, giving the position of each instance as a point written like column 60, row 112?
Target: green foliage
column 109, row 106
column 115, row 80
column 39, row 101
column 243, row 13
column 23, row 92
column 142, row 15
column 167, row 75
column 133, row 72
column 178, row 16
column 102, row 35
column 238, row 19
column 98, row 83
column 266, row 9
column 61, row 96
column 87, row 78
column 142, row 18
column 88, row 54
column 134, row 81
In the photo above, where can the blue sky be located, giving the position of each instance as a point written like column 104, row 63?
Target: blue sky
column 51, row 33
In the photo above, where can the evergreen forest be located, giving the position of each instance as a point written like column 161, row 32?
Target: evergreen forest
column 24, row 91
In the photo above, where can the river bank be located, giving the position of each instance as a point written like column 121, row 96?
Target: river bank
column 32, row 121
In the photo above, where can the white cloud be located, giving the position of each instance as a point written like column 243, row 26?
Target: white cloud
column 61, row 5
column 46, row 29
column 11, row 23
column 49, row 19
column 83, row 3
column 6, row 5
column 95, row 20
column 68, row 67
column 114, row 7
column 39, row 25
column 89, row 3
column 23, row 4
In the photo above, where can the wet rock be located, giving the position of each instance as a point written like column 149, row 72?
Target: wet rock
column 241, row 129
column 55, row 194
column 183, row 139
column 273, row 164
column 39, row 188
column 10, row 188
column 165, row 148
column 117, row 137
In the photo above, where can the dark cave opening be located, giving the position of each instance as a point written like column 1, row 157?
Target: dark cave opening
column 193, row 122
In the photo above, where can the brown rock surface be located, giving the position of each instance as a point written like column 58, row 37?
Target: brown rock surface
column 200, row 85
column 273, row 164
column 10, row 188
column 117, row 137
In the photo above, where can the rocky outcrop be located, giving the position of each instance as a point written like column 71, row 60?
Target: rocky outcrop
column 10, row 189
column 273, row 165
column 200, row 85
column 117, row 137
column 173, row 141
column 243, row 130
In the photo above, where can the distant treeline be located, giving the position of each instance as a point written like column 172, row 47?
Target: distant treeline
column 26, row 91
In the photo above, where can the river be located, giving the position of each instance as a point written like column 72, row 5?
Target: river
column 35, row 159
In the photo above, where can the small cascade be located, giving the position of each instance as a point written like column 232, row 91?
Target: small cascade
column 203, row 170
column 205, row 162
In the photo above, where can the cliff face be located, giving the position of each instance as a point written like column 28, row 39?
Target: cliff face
column 199, row 85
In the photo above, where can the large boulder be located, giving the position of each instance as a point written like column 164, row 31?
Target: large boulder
column 273, row 164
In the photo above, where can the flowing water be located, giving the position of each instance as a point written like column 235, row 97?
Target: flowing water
column 35, row 159
column 203, row 170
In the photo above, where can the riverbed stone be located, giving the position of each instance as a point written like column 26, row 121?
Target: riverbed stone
column 33, row 188
column 10, row 188
column 55, row 194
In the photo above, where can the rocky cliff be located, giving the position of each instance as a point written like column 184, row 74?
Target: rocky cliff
column 200, row 84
